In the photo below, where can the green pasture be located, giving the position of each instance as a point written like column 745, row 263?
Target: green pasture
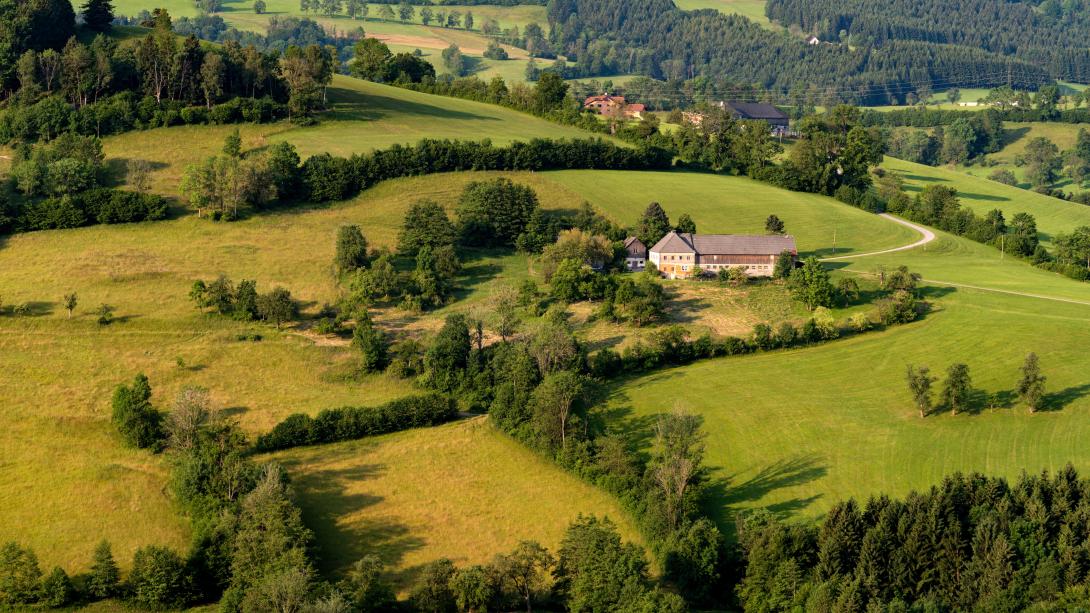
column 752, row 9
column 796, row 431
column 364, row 116
column 725, row 205
column 463, row 491
column 982, row 195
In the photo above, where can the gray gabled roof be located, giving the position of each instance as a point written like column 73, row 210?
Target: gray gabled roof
column 725, row 244
column 673, row 243
column 755, row 110
column 635, row 247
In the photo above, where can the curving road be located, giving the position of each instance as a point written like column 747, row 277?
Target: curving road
column 927, row 234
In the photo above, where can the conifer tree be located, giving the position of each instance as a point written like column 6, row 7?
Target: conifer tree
column 98, row 15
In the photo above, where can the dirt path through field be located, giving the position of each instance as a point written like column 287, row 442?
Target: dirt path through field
column 927, row 237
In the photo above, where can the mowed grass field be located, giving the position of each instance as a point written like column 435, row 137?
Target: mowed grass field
column 982, row 195
column 364, row 116
column 62, row 459
column 463, row 491
column 797, row 431
column 753, row 9
column 723, row 205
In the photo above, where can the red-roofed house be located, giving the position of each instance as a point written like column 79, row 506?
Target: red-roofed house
column 610, row 105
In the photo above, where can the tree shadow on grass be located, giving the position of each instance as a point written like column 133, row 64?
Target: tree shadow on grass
column 982, row 197
column 1058, row 400
column 725, row 493
column 327, row 510
column 353, row 105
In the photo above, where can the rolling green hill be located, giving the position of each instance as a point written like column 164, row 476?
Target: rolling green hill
column 463, row 491
column 982, row 195
column 796, row 431
column 364, row 116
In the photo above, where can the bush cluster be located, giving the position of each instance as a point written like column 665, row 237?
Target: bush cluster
column 349, row 423
column 327, row 177
column 99, row 205
column 125, row 111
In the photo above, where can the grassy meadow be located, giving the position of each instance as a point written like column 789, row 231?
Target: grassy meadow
column 1018, row 135
column 982, row 195
column 753, row 9
column 364, row 116
column 720, row 204
column 795, row 431
column 463, row 491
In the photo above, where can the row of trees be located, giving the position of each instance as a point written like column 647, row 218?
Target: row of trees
column 968, row 543
column 957, row 390
column 324, row 177
column 243, row 302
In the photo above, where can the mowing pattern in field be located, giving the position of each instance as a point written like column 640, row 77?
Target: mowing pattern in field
column 797, row 431
column 722, row 204
column 982, row 195
column 462, row 491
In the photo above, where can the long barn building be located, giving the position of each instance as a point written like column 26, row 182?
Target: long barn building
column 679, row 253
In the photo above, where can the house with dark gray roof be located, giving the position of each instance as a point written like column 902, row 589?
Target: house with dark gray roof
column 678, row 254
column 758, row 111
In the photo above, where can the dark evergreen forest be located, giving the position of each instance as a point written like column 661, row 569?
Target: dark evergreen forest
column 655, row 38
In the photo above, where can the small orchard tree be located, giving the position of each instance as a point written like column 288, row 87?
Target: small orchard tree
column 372, row 344
column 473, row 588
column 525, row 570
column 351, row 249
column 784, row 265
column 232, row 144
column 259, row 7
column 810, row 285
column 277, row 306
column 774, row 225
column 70, row 301
column 1031, row 387
column 957, row 389
column 686, row 224
column 919, row 385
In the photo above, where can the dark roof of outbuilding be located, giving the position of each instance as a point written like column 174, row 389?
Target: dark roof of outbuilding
column 755, row 110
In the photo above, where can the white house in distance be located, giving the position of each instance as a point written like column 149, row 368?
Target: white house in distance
column 678, row 254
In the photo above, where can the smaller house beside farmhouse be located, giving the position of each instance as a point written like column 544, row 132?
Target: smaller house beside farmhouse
column 813, row 40
column 679, row 253
column 635, row 258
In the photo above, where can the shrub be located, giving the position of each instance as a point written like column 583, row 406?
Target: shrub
column 19, row 575
column 159, row 579
column 57, row 589
column 348, row 423
column 137, row 421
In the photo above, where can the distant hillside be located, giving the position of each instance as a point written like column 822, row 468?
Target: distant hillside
column 655, row 38
column 1052, row 35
